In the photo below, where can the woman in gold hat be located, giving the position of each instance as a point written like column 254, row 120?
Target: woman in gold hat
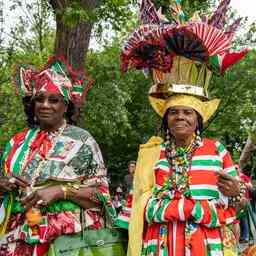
column 186, row 207
column 183, row 201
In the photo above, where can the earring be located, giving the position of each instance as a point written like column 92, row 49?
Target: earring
column 168, row 137
column 198, row 134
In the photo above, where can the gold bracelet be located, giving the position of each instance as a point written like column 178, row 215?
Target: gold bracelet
column 233, row 201
column 69, row 190
column 93, row 196
column 65, row 191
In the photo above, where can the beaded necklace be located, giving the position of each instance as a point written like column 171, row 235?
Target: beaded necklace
column 179, row 160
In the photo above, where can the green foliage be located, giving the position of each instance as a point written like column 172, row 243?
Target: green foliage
column 236, row 89
column 34, row 22
column 30, row 41
column 75, row 14
column 117, row 112
column 248, row 115
column 189, row 6
column 12, row 118
column 192, row 6
column 114, row 14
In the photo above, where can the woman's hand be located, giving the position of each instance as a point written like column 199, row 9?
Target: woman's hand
column 43, row 197
column 228, row 185
column 85, row 197
column 8, row 184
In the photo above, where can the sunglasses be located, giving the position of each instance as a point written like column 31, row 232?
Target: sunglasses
column 54, row 100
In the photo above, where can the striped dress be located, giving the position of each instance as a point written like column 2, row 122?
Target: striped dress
column 124, row 216
column 193, row 226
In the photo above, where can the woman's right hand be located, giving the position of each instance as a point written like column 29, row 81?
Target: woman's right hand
column 6, row 185
column 10, row 183
column 229, row 186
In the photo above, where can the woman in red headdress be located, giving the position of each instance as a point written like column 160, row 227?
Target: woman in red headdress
column 53, row 172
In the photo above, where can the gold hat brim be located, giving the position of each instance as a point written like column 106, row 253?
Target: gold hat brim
column 205, row 108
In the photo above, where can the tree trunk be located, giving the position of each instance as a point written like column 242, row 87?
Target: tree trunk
column 247, row 152
column 72, row 42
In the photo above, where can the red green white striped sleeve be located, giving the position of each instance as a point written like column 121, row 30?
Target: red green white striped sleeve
column 205, row 212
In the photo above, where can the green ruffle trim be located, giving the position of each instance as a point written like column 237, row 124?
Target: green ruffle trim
column 58, row 206
column 62, row 205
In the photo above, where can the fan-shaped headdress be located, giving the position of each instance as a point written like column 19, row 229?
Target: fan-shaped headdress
column 181, row 55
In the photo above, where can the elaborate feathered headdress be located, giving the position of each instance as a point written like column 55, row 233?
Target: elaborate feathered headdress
column 181, row 55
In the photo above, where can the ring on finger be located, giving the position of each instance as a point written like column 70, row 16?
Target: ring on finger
column 12, row 180
column 41, row 202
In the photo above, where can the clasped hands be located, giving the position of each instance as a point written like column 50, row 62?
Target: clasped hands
column 37, row 198
column 84, row 196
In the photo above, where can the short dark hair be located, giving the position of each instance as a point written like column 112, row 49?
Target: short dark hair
column 131, row 162
column 29, row 109
column 199, row 120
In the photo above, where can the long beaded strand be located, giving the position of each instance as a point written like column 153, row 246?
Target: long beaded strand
column 180, row 161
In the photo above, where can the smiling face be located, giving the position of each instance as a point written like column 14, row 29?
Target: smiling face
column 49, row 110
column 182, row 121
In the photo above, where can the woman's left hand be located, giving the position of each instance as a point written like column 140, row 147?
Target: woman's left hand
column 229, row 186
column 43, row 197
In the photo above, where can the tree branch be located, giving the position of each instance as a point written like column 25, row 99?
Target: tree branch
column 247, row 152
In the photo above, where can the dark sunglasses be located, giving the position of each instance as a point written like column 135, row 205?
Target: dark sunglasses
column 51, row 99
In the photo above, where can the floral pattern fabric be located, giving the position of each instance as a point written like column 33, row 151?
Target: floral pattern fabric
column 72, row 156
